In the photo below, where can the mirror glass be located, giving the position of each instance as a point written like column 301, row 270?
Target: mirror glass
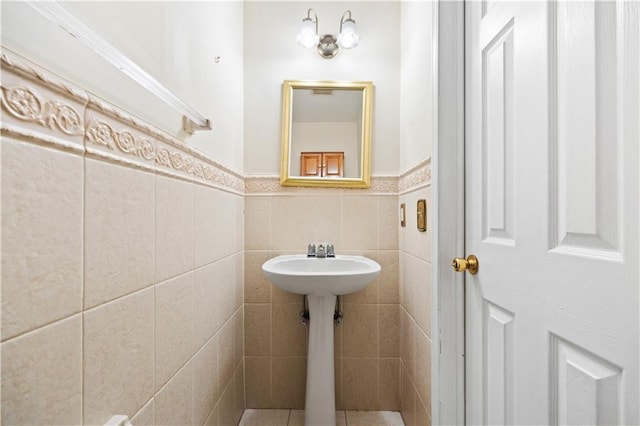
column 326, row 133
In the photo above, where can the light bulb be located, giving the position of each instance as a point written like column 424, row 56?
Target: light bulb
column 307, row 36
column 348, row 38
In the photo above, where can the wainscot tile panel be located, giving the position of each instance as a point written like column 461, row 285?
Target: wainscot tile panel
column 357, row 222
column 112, row 302
column 415, row 300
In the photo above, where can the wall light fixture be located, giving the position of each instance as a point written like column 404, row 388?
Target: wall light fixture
column 328, row 45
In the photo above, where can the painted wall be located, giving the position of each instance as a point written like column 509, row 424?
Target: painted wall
column 326, row 137
column 416, row 108
column 176, row 42
column 271, row 55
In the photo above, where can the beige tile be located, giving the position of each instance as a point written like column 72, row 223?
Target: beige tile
column 374, row 418
column 238, row 296
column 208, row 208
column 389, row 331
column 423, row 297
column 388, row 222
column 226, row 407
column 213, row 419
column 257, row 287
column 288, row 223
column 226, row 354
column 407, row 340
column 407, row 401
column 410, row 278
column 174, row 227
column 288, row 382
column 281, row 296
column 238, row 386
column 389, row 279
column 174, row 326
column 360, row 383
column 338, row 375
column 205, row 301
column 360, row 328
column 174, row 402
column 367, row 295
column 225, row 282
column 258, row 382
column 42, row 375
column 257, row 223
column 389, row 384
column 231, row 228
column 288, row 333
column 42, row 207
column 238, row 336
column 258, row 329
column 402, row 280
column 360, row 216
column 423, row 417
column 298, row 221
column 423, row 367
column 338, row 331
column 118, row 349
column 206, row 389
column 119, row 231
column 296, row 418
column 264, row 418
column 341, row 418
column 144, row 417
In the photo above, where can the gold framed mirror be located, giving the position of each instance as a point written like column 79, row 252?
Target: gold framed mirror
column 326, row 133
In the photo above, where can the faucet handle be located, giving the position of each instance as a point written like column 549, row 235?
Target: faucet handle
column 311, row 250
column 330, row 251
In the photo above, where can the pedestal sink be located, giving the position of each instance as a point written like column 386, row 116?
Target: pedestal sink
column 321, row 279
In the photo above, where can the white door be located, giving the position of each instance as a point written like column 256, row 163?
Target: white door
column 552, row 194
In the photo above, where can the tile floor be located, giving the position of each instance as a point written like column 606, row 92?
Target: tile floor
column 253, row 417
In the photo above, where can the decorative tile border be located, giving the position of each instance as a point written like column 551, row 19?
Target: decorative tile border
column 416, row 177
column 270, row 185
column 47, row 110
column 25, row 105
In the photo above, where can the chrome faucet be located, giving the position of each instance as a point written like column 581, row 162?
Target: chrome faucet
column 330, row 251
column 311, row 250
column 322, row 251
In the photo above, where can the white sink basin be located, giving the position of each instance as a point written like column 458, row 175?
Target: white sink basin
column 321, row 276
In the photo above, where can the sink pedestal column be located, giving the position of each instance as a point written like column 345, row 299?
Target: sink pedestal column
column 320, row 404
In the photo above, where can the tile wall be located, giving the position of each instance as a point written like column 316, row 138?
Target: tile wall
column 122, row 265
column 415, row 300
column 360, row 222
column 132, row 285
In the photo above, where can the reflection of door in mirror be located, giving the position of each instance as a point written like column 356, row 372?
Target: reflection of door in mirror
column 322, row 164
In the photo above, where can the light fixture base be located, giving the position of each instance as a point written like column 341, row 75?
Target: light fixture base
column 328, row 46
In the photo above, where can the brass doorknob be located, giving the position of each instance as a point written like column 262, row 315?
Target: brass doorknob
column 469, row 264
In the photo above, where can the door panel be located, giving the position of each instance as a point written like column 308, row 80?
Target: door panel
column 551, row 208
column 584, row 86
column 499, row 355
column 585, row 387
column 497, row 137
